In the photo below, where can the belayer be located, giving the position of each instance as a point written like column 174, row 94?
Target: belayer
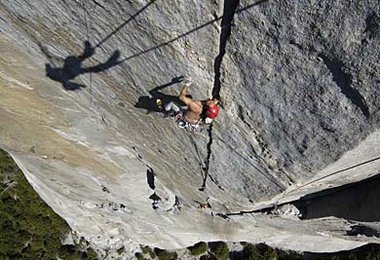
column 195, row 112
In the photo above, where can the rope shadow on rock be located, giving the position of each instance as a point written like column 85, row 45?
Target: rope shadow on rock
column 193, row 30
column 73, row 67
column 131, row 18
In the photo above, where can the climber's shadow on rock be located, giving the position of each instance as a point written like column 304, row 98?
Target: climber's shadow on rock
column 73, row 67
column 150, row 102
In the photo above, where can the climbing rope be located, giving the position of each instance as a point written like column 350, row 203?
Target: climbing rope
column 192, row 140
column 274, row 205
column 334, row 173
column 86, row 21
column 204, row 163
column 245, row 156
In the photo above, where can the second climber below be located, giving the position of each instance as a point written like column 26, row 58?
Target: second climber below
column 194, row 112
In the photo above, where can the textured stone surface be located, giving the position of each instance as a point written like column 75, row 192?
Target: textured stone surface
column 306, row 78
column 299, row 83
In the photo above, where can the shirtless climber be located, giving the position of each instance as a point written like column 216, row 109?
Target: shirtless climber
column 195, row 111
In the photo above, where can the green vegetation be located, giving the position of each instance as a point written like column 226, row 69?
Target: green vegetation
column 148, row 250
column 121, row 250
column 259, row 251
column 208, row 257
column 165, row 255
column 31, row 230
column 140, row 256
column 198, row 248
column 29, row 227
column 262, row 251
column 219, row 249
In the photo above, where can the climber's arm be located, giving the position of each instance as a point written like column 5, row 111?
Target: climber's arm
column 183, row 96
column 193, row 105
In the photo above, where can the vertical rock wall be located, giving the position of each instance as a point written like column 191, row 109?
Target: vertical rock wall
column 306, row 78
column 79, row 83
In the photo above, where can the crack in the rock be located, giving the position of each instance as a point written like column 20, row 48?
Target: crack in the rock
column 344, row 82
column 150, row 175
column 207, row 167
column 229, row 9
column 226, row 24
column 207, row 162
column 208, row 23
column 98, row 4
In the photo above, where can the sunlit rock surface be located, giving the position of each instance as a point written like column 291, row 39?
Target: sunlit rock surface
column 300, row 89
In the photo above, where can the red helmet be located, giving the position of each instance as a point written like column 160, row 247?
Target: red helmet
column 212, row 111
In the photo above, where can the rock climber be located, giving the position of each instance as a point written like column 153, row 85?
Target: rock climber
column 194, row 111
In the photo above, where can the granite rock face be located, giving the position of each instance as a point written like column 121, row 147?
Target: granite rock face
column 299, row 83
column 306, row 78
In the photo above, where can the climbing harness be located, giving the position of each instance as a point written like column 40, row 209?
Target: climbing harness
column 207, row 118
column 182, row 123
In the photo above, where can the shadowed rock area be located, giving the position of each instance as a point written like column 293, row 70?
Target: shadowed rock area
column 356, row 201
column 299, row 85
